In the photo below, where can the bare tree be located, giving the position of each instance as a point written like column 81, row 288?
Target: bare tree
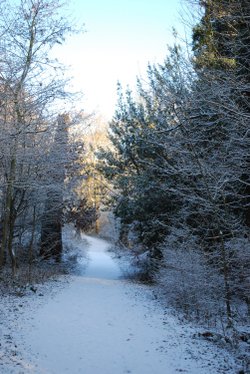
column 31, row 83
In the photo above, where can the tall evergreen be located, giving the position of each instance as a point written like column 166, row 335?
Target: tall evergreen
column 141, row 164
column 221, row 44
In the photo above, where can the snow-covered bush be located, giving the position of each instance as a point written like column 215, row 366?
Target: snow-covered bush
column 240, row 270
column 193, row 280
column 186, row 279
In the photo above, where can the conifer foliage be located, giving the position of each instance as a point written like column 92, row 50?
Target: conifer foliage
column 180, row 158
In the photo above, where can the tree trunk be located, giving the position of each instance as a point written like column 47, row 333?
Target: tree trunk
column 51, row 235
column 226, row 283
column 10, row 243
column 32, row 241
column 8, row 212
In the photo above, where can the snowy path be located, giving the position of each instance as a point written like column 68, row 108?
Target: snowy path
column 100, row 323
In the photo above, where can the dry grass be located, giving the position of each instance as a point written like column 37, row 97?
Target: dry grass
column 27, row 276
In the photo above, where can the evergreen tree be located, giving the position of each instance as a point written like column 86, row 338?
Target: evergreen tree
column 142, row 162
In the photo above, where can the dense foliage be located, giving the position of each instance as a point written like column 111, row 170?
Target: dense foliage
column 180, row 157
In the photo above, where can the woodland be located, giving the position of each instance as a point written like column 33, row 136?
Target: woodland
column 179, row 164
column 172, row 166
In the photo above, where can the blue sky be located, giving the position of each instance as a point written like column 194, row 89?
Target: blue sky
column 121, row 37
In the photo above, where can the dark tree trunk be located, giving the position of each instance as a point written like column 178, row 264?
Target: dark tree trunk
column 51, row 235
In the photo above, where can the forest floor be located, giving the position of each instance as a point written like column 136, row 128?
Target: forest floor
column 95, row 321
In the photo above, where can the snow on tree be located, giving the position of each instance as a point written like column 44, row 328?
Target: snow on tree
column 32, row 85
column 180, row 156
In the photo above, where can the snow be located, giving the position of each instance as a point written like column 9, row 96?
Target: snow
column 101, row 323
column 101, row 264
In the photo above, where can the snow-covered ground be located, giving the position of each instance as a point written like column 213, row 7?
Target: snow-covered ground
column 97, row 322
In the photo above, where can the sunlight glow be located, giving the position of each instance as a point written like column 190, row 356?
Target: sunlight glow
column 118, row 44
